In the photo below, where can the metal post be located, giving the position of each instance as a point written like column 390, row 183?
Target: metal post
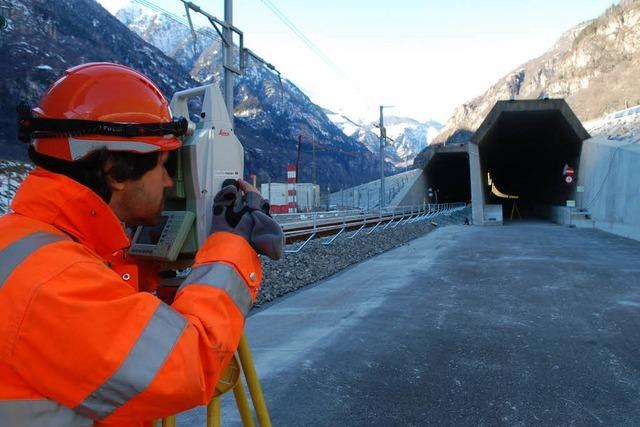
column 314, row 178
column 298, row 155
column 295, row 194
column 228, row 55
column 317, row 197
column 381, row 158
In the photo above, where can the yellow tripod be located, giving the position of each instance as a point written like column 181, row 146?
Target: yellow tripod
column 231, row 380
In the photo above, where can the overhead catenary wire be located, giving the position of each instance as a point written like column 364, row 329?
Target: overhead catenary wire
column 311, row 45
column 250, row 54
column 212, row 35
column 202, row 31
column 315, row 49
column 208, row 33
column 328, row 149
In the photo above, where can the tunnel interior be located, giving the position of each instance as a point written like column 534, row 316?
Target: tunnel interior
column 523, row 155
column 448, row 176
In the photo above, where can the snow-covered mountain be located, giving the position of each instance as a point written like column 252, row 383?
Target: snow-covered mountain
column 44, row 38
column 162, row 33
column 167, row 33
column 593, row 66
column 271, row 112
column 407, row 136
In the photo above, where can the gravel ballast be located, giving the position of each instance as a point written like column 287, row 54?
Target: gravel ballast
column 317, row 261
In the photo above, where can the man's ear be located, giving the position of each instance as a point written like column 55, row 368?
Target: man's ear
column 114, row 185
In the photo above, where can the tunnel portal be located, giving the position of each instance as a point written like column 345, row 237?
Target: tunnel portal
column 522, row 150
column 448, row 177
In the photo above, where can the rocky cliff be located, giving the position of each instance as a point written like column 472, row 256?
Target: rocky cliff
column 594, row 66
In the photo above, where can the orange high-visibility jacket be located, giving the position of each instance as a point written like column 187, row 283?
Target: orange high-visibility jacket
column 79, row 344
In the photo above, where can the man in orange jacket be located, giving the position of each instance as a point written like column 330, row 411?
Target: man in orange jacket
column 80, row 344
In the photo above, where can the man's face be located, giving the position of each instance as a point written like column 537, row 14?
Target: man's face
column 142, row 200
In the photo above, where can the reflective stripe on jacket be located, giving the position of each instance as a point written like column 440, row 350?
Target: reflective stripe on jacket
column 79, row 344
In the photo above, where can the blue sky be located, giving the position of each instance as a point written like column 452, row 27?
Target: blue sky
column 423, row 57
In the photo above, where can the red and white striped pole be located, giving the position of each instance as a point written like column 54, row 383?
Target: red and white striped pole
column 291, row 188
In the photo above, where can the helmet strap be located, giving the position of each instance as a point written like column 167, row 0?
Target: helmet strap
column 30, row 127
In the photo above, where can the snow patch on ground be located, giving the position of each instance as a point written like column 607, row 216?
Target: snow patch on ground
column 12, row 174
column 249, row 112
column 622, row 127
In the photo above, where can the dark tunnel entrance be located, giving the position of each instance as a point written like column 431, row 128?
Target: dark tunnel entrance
column 448, row 178
column 524, row 148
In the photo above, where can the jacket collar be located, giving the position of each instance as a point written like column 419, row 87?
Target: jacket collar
column 71, row 207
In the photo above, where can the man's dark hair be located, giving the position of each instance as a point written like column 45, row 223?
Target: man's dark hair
column 90, row 171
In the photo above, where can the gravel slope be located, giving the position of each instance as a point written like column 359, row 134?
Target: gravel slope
column 317, row 261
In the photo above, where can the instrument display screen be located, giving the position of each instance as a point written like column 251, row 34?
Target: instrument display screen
column 151, row 235
column 163, row 241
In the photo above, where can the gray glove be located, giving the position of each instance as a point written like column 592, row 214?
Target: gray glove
column 247, row 215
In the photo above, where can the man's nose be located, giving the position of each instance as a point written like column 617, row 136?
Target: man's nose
column 168, row 181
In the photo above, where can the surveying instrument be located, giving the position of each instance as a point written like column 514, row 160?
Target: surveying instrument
column 211, row 157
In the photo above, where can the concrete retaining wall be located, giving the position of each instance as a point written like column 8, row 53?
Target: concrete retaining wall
column 564, row 215
column 610, row 174
column 414, row 193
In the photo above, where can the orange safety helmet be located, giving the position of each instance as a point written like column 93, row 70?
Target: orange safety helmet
column 100, row 105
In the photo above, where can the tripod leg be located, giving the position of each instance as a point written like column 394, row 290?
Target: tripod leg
column 169, row 421
column 253, row 382
column 213, row 412
column 243, row 405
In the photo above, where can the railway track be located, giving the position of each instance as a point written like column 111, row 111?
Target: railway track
column 307, row 226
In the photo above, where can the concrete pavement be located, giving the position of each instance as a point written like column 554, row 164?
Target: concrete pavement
column 526, row 324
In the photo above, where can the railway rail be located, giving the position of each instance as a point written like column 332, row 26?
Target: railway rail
column 304, row 227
